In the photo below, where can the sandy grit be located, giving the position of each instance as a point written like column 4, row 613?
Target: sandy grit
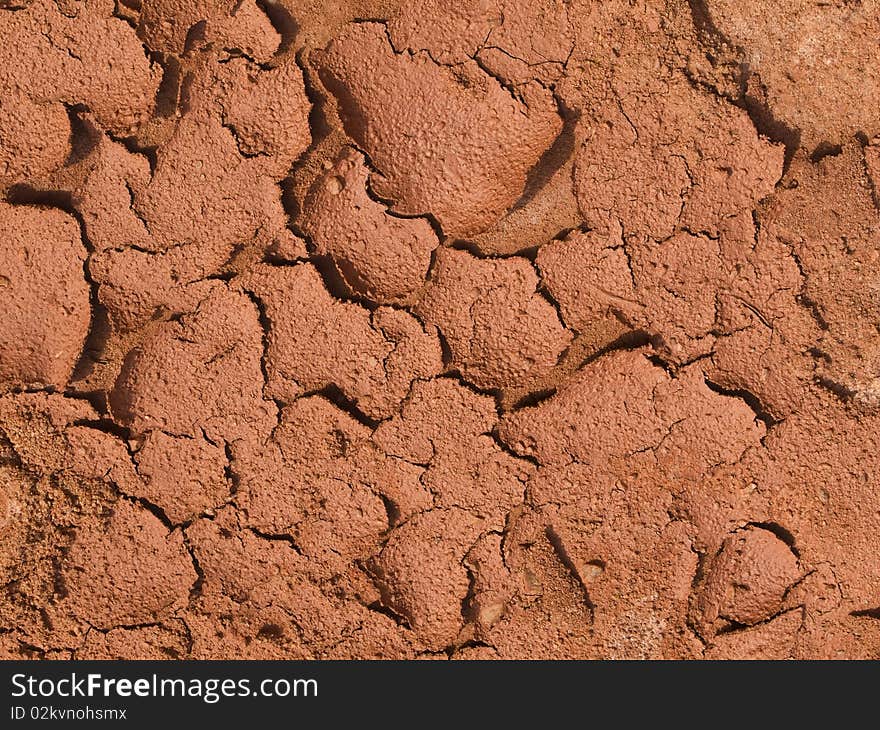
column 439, row 329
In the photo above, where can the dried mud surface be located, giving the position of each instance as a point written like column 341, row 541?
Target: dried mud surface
column 439, row 329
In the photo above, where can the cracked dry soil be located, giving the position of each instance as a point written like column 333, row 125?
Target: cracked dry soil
column 439, row 329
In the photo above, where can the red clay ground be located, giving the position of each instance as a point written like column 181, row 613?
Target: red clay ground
column 439, row 329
